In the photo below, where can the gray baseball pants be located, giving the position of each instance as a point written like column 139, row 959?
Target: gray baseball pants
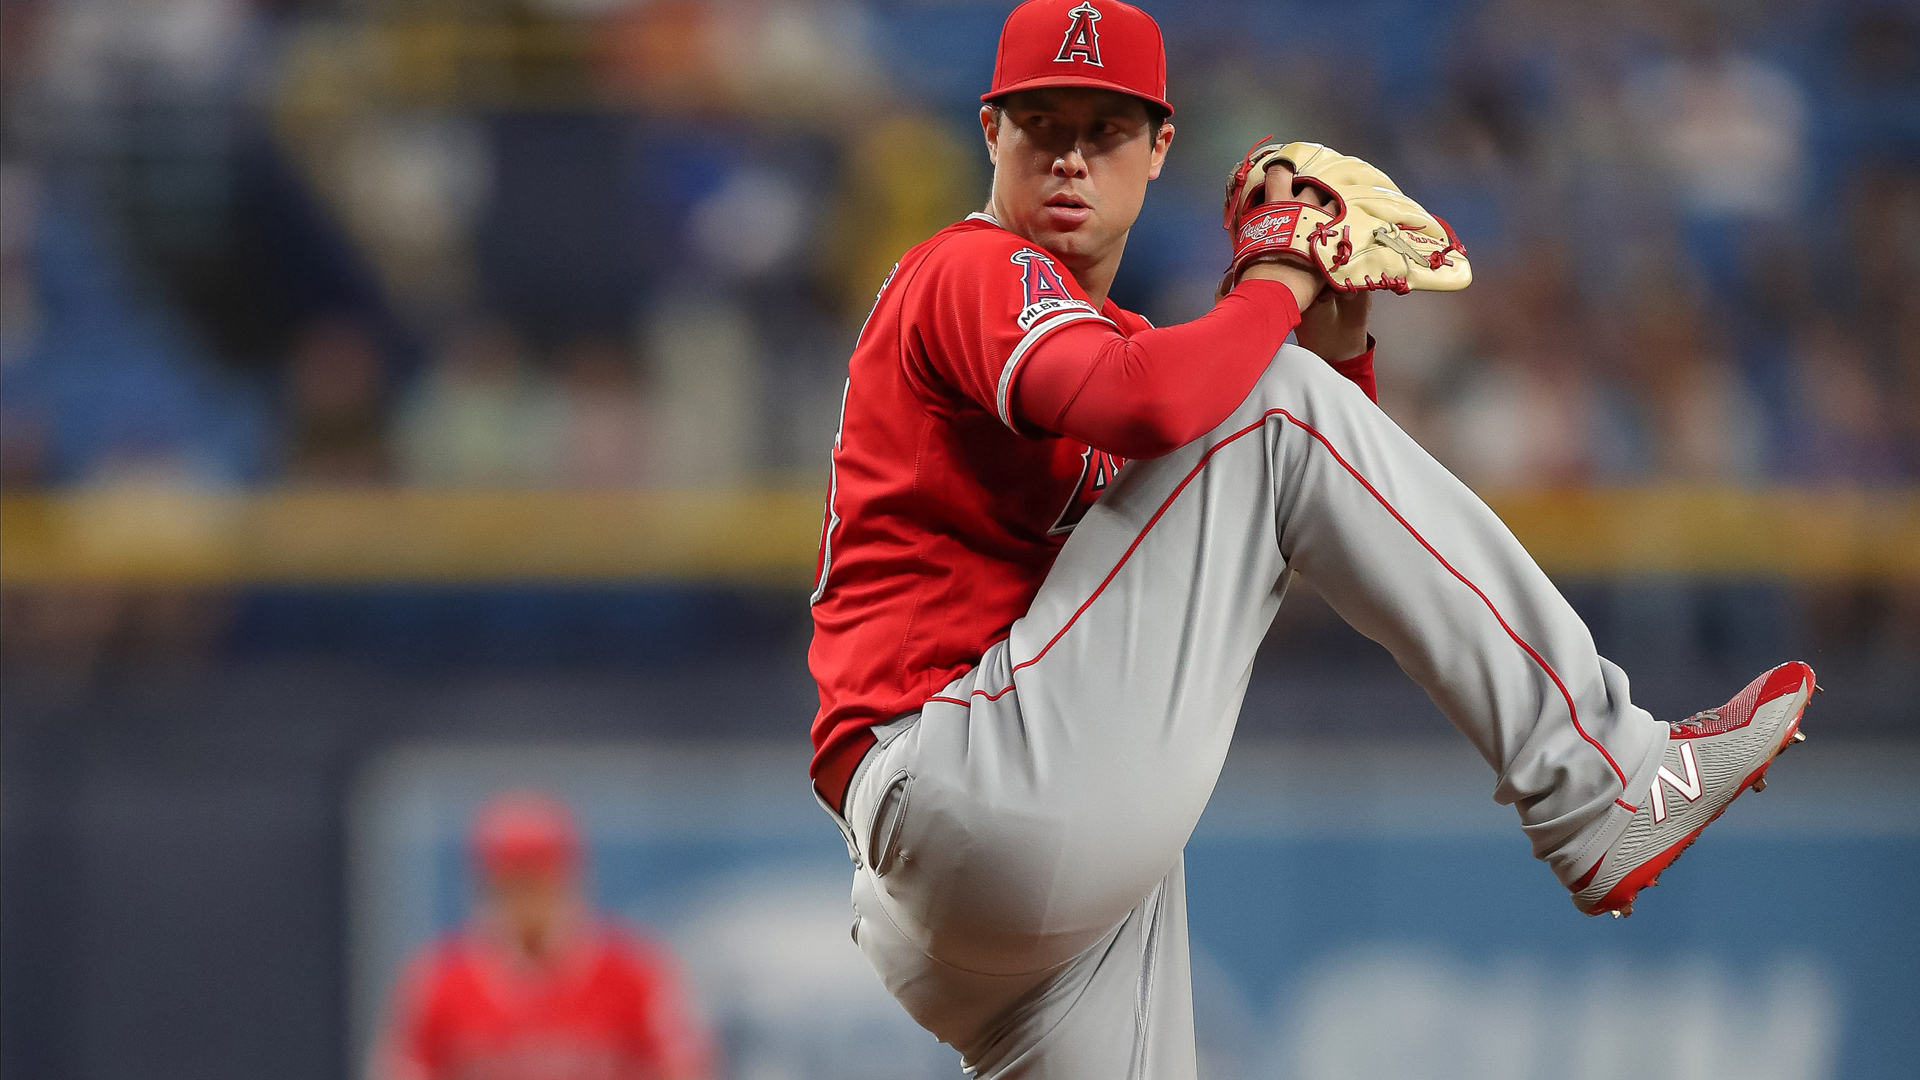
column 1019, row 885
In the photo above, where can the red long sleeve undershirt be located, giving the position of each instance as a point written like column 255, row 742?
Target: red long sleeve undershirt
column 1146, row 395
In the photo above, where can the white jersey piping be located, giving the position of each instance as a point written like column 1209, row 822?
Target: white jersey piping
column 1002, row 398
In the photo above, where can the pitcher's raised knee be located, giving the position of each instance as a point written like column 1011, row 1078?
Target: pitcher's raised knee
column 1295, row 378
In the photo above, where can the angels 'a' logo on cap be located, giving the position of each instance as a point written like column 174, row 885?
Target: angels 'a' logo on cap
column 1082, row 41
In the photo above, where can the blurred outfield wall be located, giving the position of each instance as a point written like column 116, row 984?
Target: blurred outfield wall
column 1359, row 908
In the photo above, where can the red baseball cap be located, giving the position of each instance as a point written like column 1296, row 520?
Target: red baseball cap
column 525, row 832
column 1103, row 44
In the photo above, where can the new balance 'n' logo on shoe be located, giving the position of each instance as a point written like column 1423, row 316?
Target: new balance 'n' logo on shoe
column 1712, row 757
column 1688, row 786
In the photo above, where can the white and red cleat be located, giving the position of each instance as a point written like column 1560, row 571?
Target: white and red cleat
column 1712, row 757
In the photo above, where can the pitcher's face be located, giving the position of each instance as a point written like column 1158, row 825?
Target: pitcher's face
column 1070, row 168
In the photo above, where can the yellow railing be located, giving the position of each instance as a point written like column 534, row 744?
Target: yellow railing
column 769, row 536
column 369, row 536
column 1723, row 532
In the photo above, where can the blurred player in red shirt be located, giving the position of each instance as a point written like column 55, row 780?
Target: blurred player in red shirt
column 538, row 986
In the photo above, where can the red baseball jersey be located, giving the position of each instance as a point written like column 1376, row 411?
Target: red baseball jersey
column 610, row 1007
column 943, row 513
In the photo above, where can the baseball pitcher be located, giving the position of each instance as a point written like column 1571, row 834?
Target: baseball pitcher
column 1056, row 534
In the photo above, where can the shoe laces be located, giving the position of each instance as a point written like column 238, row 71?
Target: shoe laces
column 1705, row 722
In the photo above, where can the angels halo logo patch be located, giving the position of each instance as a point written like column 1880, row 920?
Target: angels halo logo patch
column 1044, row 292
column 1038, row 278
column 1083, row 40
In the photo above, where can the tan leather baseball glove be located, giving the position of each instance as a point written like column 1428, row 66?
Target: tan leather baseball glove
column 1371, row 237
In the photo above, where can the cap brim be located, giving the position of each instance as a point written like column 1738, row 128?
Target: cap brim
column 1080, row 81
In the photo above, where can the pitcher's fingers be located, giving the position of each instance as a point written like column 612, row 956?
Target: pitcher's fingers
column 1279, row 183
column 1280, row 188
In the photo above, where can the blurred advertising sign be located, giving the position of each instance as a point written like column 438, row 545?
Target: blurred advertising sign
column 1358, row 910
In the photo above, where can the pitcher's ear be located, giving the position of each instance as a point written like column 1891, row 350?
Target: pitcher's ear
column 1162, row 142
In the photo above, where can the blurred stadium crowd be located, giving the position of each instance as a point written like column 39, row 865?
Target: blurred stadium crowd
column 609, row 245
column 566, row 243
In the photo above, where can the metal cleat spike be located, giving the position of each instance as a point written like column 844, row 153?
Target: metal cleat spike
column 1616, row 913
column 1799, row 736
column 1759, row 783
column 1818, row 689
